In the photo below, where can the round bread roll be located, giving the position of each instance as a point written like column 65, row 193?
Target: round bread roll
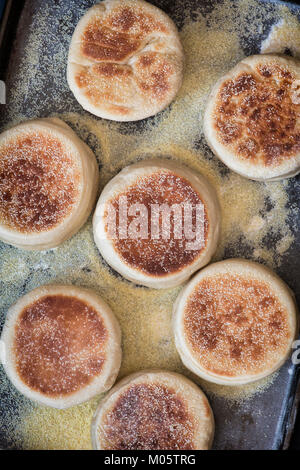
column 154, row 410
column 235, row 322
column 252, row 119
column 156, row 243
column 48, row 184
column 125, row 60
column 62, row 345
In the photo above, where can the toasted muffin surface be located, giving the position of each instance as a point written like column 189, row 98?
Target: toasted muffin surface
column 166, row 253
column 257, row 114
column 149, row 417
column 252, row 118
column 153, row 410
column 235, row 325
column 39, row 182
column 59, row 345
column 116, row 35
column 125, row 60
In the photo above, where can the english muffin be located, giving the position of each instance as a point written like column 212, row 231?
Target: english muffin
column 125, row 60
column 48, row 184
column 154, row 410
column 167, row 222
column 235, row 322
column 252, row 119
column 62, row 345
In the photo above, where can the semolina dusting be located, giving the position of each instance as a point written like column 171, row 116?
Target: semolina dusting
column 213, row 43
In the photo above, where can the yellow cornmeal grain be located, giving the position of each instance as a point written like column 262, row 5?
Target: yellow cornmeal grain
column 73, row 424
column 284, row 35
column 212, row 46
column 255, row 224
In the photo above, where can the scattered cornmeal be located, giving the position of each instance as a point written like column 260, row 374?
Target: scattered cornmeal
column 145, row 314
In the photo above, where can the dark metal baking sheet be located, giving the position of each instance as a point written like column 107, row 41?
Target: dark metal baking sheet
column 265, row 421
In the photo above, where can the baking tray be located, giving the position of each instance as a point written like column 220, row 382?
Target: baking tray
column 263, row 421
